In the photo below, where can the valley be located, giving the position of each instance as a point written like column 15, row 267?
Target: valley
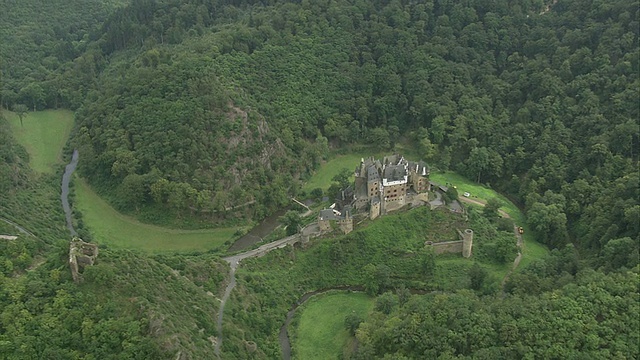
column 349, row 179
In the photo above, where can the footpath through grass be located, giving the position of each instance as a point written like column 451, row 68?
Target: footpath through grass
column 531, row 248
column 108, row 226
column 43, row 134
column 321, row 333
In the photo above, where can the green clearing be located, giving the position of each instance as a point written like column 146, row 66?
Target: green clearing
column 321, row 333
column 477, row 191
column 43, row 134
column 110, row 227
column 531, row 249
column 330, row 168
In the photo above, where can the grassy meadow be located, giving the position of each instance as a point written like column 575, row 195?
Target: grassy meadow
column 321, row 333
column 43, row 134
column 322, row 177
column 108, row 226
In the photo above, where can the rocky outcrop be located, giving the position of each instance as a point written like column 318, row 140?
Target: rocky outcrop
column 81, row 255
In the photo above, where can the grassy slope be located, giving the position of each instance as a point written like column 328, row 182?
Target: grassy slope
column 110, row 227
column 43, row 134
column 329, row 169
column 321, row 333
column 532, row 249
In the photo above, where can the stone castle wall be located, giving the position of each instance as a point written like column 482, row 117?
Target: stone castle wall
column 463, row 246
column 454, row 247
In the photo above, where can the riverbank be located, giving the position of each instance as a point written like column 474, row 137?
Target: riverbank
column 110, row 227
column 314, row 328
column 43, row 134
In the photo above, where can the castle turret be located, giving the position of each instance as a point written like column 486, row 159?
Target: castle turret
column 467, row 243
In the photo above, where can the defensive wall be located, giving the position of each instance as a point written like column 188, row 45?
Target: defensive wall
column 464, row 246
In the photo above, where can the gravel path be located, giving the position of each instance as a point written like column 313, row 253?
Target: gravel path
column 519, row 241
column 20, row 228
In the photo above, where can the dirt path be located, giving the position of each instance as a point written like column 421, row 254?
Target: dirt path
column 20, row 228
column 234, row 262
column 483, row 203
column 516, row 261
column 519, row 241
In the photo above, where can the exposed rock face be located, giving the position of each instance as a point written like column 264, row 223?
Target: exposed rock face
column 81, row 254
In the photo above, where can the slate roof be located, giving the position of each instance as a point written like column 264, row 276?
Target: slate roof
column 327, row 214
column 395, row 172
column 372, row 173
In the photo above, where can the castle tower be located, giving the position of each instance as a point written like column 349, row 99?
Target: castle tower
column 467, row 243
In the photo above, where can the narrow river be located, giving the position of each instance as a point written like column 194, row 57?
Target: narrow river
column 64, row 196
column 285, row 344
column 258, row 232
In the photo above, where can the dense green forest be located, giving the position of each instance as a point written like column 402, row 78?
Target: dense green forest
column 591, row 315
column 191, row 107
column 124, row 309
column 200, row 106
column 210, row 105
column 43, row 50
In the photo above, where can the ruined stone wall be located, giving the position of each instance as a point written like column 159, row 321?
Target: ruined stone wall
column 467, row 242
column 81, row 255
column 454, row 247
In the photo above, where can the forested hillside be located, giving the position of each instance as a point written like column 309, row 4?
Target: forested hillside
column 220, row 110
column 540, row 103
column 129, row 306
column 592, row 317
column 43, row 49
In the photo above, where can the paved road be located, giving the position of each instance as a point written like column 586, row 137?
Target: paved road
column 234, row 262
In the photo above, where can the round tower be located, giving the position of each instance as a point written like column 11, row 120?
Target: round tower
column 467, row 243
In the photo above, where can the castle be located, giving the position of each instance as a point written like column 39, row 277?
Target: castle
column 388, row 185
column 382, row 186
column 379, row 187
column 342, row 218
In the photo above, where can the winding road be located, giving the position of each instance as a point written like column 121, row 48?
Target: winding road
column 234, row 262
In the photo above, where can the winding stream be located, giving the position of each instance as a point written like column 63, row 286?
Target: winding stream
column 285, row 344
column 258, row 232
column 64, row 196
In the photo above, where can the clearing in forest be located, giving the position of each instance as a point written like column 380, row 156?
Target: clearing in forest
column 322, row 177
column 531, row 248
column 43, row 134
column 108, row 226
column 321, row 331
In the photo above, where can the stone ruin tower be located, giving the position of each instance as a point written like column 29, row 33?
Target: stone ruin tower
column 81, row 255
column 467, row 243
